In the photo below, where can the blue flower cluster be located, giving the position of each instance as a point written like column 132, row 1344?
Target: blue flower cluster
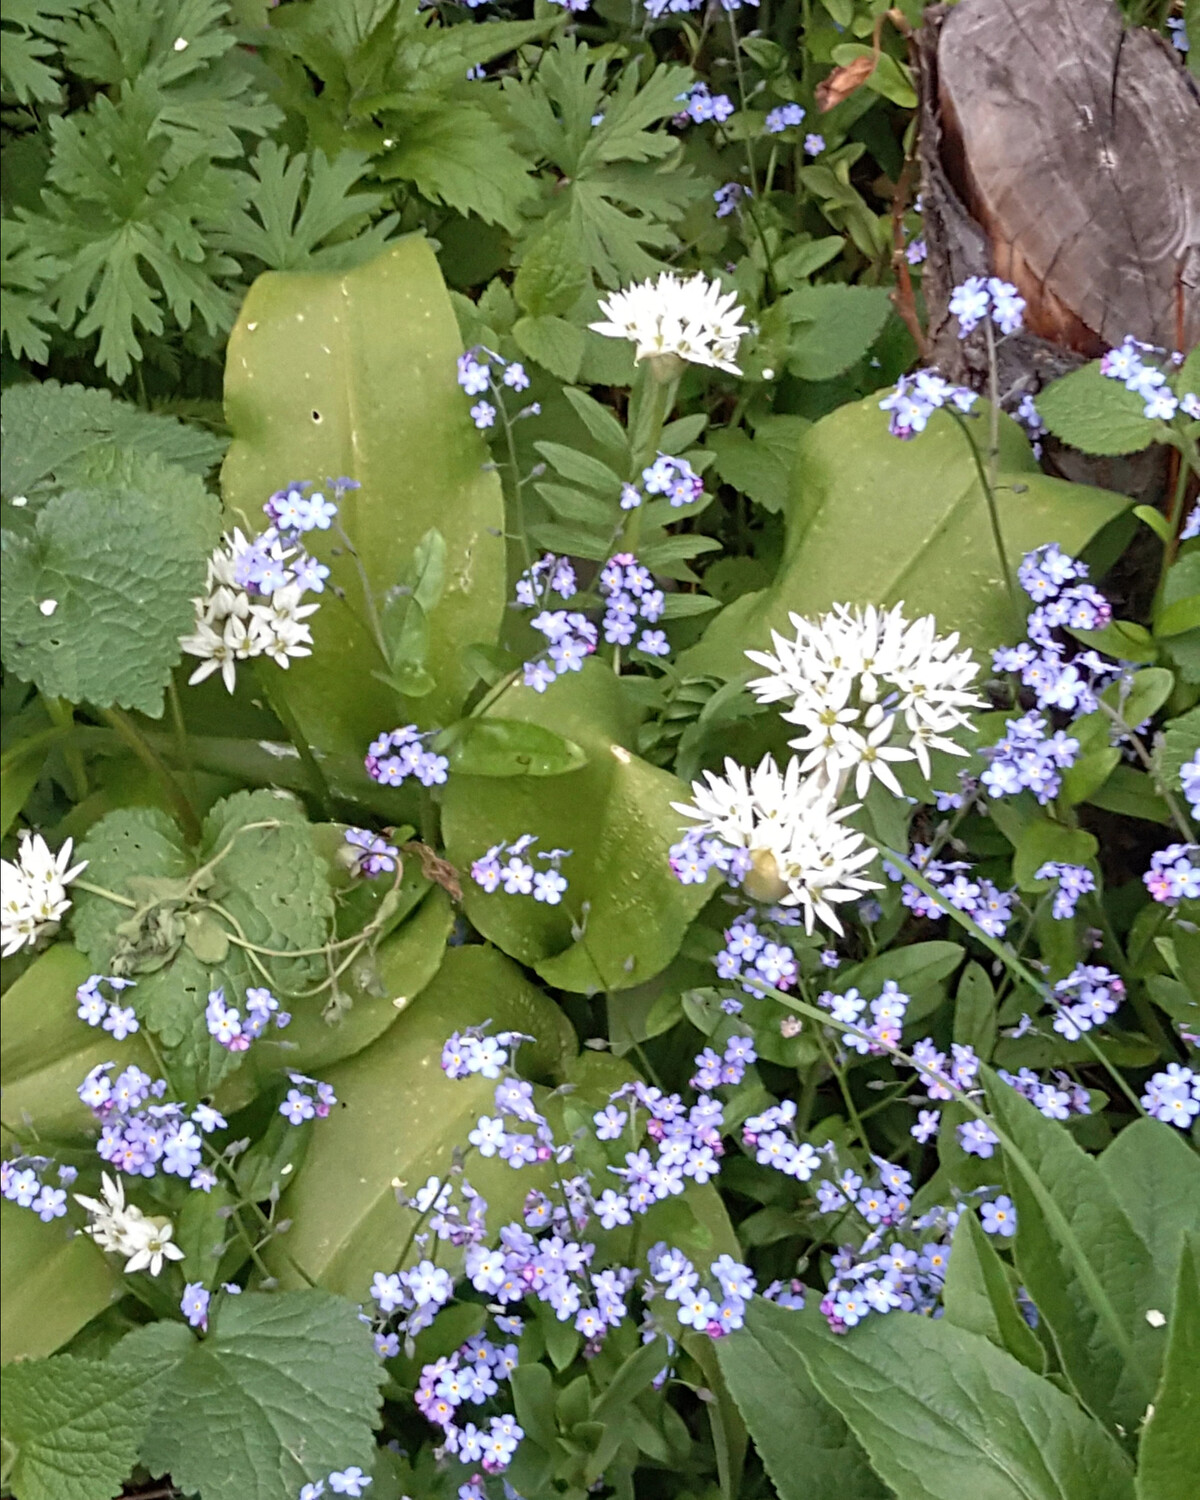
column 1057, row 1100
column 138, row 1136
column 1189, row 776
column 1062, row 601
column 980, row 297
column 673, row 478
column 729, row 198
column 980, row 899
column 771, row 1136
column 1173, row 1096
column 1087, row 997
column 630, row 595
column 751, row 956
column 783, row 117
column 369, row 854
column 916, row 398
column 1160, row 404
column 351, row 1481
column 307, row 1099
column 1029, row 757
column 715, row 1070
column 1071, row 883
column 1174, row 874
column 119, row 1020
column 701, row 104
column 21, row 1183
column 517, row 876
column 571, row 635
column 476, row 374
column 234, row 1032
column 300, row 508
column 878, row 1035
column 696, row 1306
column 394, row 757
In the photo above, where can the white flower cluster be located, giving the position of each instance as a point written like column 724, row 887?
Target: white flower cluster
column 125, row 1230
column 794, row 846
column 251, row 606
column 868, row 687
column 34, row 896
column 689, row 319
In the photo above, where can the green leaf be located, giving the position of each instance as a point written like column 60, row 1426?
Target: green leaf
column 812, row 1455
column 284, row 233
column 1180, row 605
column 354, row 374
column 1095, row 414
column 32, row 32
column 1155, row 1176
column 1169, row 1453
column 349, row 1224
column 921, row 532
column 975, row 1011
column 943, row 1413
column 45, row 1050
column 463, row 157
column 629, row 911
column 270, row 880
column 50, row 1286
column 96, row 598
column 290, row 1381
column 549, row 282
column 1180, row 741
column 75, row 1425
column 978, row 1296
column 512, row 747
column 599, row 421
column 1090, row 1275
column 838, row 325
column 49, row 432
column 760, row 466
column 1043, row 842
column 553, row 343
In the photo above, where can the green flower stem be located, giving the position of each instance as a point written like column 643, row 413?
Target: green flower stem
column 318, row 785
column 132, row 736
column 183, row 749
column 1181, row 819
column 517, row 484
column 62, row 716
column 989, row 495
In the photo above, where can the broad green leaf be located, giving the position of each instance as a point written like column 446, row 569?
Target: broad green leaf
column 75, row 1425
column 549, row 282
column 401, row 1118
column 1095, row 414
column 837, row 326
column 354, row 375
column 1169, row 1453
column 1042, row 842
column 97, row 595
column 271, row 883
column 20, row 769
column 978, row 1296
column 1090, row 1275
column 553, row 343
column 289, row 1380
column 46, row 1050
column 51, row 1285
column 921, row 531
column 48, row 431
column 943, row 1413
column 975, row 1011
column 511, row 747
column 1155, row 1175
column 805, row 1446
column 378, row 988
column 636, row 911
column 760, row 466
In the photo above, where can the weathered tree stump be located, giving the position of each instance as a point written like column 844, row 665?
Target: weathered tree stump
column 1060, row 150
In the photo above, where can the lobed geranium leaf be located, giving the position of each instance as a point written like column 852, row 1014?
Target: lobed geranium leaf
column 75, row 1425
column 284, row 1388
column 96, row 596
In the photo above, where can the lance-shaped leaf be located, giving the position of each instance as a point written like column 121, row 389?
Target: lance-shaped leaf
column 353, row 375
column 1169, row 1455
column 50, row 1285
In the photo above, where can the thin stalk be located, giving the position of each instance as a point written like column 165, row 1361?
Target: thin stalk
column 283, row 711
column 183, row 749
column 132, row 736
column 518, row 484
column 62, row 716
column 994, row 517
column 374, row 623
column 844, row 1087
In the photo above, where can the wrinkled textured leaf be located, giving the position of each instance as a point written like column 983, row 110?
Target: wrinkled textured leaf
column 1095, row 414
column 95, row 600
column 76, row 1425
column 400, row 1117
column 921, row 533
column 836, row 327
column 284, row 1389
column 942, row 1413
column 272, row 882
column 354, row 375
column 637, row 911
column 805, row 1446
